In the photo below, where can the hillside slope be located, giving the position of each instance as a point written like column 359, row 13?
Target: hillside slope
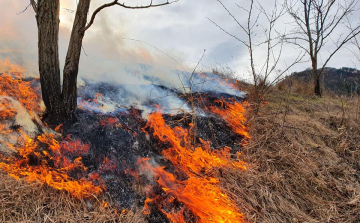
column 339, row 81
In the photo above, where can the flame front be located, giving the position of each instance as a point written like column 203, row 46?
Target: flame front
column 233, row 113
column 200, row 192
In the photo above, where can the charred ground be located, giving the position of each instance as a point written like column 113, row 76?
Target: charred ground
column 121, row 138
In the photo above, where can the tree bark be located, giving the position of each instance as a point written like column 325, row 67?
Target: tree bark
column 316, row 78
column 47, row 18
column 69, row 93
column 318, row 91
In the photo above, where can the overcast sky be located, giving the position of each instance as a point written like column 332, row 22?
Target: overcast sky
column 180, row 31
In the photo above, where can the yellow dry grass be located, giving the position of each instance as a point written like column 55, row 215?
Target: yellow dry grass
column 23, row 202
column 303, row 159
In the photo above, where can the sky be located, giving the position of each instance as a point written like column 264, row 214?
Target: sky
column 172, row 37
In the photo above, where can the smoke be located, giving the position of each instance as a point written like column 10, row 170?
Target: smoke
column 120, row 59
column 18, row 35
column 143, row 74
column 22, row 119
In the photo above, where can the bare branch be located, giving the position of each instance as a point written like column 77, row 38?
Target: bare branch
column 24, row 9
column 69, row 10
column 148, row 44
column 243, row 42
column 116, row 2
column 299, row 59
column 97, row 11
column 232, row 16
column 192, row 74
column 349, row 37
column 33, row 4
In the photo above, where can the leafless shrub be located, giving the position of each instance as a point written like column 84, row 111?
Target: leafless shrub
column 271, row 42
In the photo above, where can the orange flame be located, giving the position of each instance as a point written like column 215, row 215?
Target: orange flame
column 52, row 167
column 115, row 122
column 110, row 121
column 98, row 101
column 200, row 193
column 44, row 159
column 234, row 115
column 104, row 204
column 6, row 110
column 12, row 85
column 74, row 147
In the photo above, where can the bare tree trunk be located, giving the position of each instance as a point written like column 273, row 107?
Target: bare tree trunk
column 47, row 18
column 61, row 104
column 316, row 77
column 69, row 94
column 317, row 91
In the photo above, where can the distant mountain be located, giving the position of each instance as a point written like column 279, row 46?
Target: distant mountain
column 340, row 81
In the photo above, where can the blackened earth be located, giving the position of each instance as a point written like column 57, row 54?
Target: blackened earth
column 124, row 144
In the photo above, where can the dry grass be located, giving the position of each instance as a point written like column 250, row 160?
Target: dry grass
column 304, row 161
column 22, row 202
column 304, row 166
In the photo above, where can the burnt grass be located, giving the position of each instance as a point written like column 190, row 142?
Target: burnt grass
column 303, row 163
column 124, row 144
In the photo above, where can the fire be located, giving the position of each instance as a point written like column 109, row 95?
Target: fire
column 234, row 114
column 98, row 98
column 115, row 122
column 96, row 102
column 6, row 110
column 112, row 121
column 74, row 147
column 192, row 187
column 43, row 160
column 13, row 89
column 12, row 85
column 107, row 166
column 192, row 160
column 227, row 83
column 200, row 192
column 104, row 204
